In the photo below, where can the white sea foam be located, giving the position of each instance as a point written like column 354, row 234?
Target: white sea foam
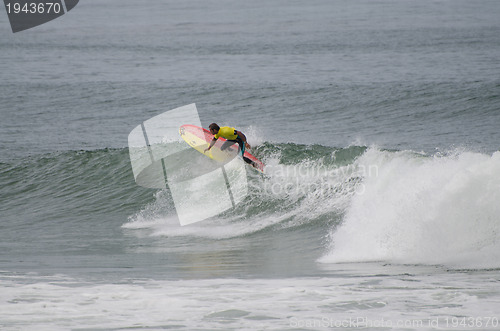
column 376, row 297
column 438, row 210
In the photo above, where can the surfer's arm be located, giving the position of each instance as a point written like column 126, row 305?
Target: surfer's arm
column 212, row 143
column 243, row 137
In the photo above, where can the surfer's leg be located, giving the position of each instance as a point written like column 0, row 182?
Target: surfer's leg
column 227, row 144
column 247, row 160
column 242, row 145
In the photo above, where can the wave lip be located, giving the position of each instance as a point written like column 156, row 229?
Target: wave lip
column 430, row 210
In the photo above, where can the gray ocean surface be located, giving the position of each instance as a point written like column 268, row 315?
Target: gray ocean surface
column 378, row 122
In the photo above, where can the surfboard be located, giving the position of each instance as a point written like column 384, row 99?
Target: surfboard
column 199, row 139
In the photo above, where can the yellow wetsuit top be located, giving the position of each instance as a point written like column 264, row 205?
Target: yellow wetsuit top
column 226, row 132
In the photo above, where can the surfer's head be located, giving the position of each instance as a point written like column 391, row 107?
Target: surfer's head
column 214, row 128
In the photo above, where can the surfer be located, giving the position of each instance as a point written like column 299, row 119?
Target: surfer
column 232, row 136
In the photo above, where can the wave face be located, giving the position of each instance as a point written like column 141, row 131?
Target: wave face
column 303, row 187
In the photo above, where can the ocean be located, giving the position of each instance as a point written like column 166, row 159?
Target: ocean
column 378, row 122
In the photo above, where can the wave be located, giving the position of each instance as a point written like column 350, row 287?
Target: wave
column 368, row 204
